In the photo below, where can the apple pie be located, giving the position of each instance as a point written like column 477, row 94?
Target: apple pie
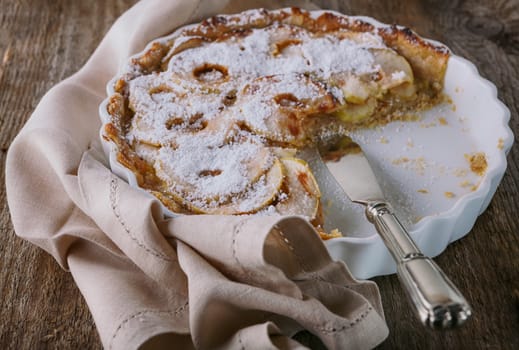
column 210, row 118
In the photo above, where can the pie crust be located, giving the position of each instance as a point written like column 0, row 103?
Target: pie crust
column 210, row 118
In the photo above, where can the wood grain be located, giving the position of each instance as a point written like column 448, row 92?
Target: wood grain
column 44, row 41
column 41, row 43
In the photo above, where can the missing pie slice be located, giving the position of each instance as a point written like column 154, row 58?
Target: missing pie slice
column 209, row 119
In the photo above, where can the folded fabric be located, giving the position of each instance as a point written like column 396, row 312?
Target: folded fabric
column 205, row 282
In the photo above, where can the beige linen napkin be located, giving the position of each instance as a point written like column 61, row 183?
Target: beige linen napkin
column 207, row 282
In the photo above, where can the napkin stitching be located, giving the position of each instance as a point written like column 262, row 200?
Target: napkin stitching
column 175, row 312
column 114, row 186
column 195, row 12
column 313, row 275
column 236, row 231
column 242, row 347
column 248, row 274
column 330, row 330
column 302, row 265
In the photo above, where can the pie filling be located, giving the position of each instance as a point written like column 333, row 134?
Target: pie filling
column 210, row 118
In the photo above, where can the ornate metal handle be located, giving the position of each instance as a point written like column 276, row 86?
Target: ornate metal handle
column 437, row 301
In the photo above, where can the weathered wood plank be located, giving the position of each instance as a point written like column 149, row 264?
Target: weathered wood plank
column 41, row 43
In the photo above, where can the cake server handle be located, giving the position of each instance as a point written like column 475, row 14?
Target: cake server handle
column 439, row 304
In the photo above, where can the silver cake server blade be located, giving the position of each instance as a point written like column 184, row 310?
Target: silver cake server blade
column 438, row 303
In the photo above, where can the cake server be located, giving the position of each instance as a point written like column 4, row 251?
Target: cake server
column 436, row 300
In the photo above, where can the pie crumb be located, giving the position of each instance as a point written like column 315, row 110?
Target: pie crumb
column 500, row 143
column 335, row 233
column 478, row 163
column 449, row 194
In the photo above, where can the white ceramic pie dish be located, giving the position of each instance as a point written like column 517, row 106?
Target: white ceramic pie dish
column 422, row 169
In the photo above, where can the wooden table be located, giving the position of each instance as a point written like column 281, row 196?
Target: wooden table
column 44, row 41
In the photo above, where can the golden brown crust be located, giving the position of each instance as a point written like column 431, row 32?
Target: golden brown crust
column 428, row 63
column 427, row 60
column 478, row 163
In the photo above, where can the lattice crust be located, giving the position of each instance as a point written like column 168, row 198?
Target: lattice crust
column 209, row 119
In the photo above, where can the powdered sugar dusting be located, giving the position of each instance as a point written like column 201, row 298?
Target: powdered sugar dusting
column 348, row 56
column 160, row 106
column 255, row 55
column 202, row 167
column 206, row 121
column 261, row 93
